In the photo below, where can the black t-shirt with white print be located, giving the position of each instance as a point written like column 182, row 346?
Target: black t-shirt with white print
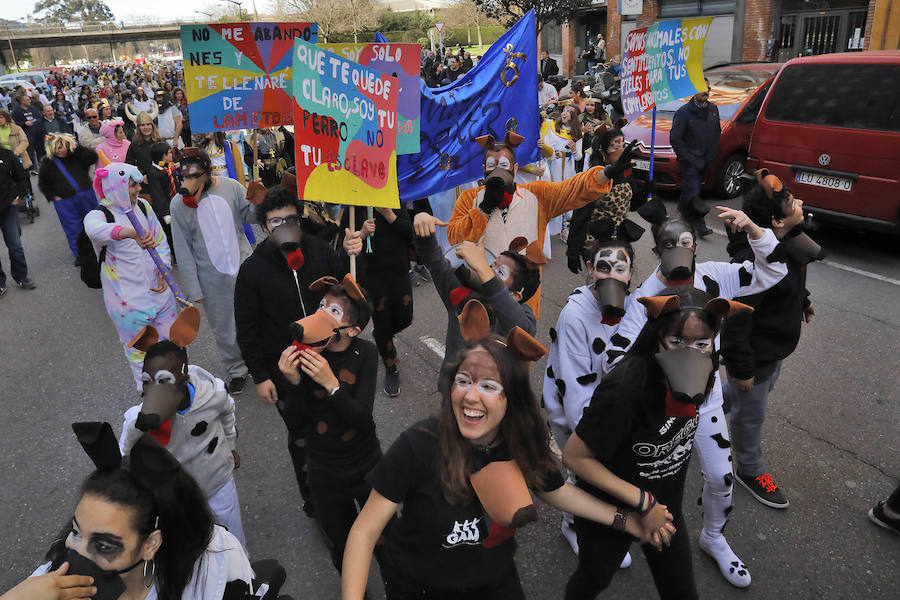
column 434, row 543
column 627, row 429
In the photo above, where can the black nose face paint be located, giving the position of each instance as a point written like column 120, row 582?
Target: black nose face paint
column 109, row 584
column 610, row 294
column 689, row 373
column 677, row 264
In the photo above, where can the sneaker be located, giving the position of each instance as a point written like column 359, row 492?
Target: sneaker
column 392, row 383
column 732, row 568
column 236, row 385
column 27, row 284
column 2, row 291
column 626, row 562
column 877, row 516
column 764, row 489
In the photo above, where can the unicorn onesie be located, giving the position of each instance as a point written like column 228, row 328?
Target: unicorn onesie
column 132, row 290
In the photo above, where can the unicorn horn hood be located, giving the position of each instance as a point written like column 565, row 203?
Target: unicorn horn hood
column 111, row 184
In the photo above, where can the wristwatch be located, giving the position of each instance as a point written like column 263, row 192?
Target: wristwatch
column 619, row 519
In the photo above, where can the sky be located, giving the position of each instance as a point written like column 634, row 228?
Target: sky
column 128, row 10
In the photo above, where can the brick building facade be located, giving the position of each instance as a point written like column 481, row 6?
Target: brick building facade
column 742, row 30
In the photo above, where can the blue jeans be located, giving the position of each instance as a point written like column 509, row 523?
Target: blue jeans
column 12, row 236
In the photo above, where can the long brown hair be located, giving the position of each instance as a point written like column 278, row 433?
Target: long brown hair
column 574, row 124
column 139, row 138
column 523, row 430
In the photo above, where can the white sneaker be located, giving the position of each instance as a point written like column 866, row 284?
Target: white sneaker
column 626, row 562
column 733, row 569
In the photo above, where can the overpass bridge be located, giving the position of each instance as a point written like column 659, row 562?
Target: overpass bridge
column 24, row 38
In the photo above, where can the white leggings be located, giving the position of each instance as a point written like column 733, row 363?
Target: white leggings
column 713, row 447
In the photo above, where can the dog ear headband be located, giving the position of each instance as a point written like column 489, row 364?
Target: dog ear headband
column 474, row 324
column 658, row 306
column 256, row 191
column 353, row 290
column 150, row 463
column 489, row 142
column 534, row 255
column 770, row 183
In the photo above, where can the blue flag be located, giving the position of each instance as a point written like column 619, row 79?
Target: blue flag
column 500, row 93
column 379, row 38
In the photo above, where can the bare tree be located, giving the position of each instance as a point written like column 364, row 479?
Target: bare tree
column 545, row 11
column 329, row 14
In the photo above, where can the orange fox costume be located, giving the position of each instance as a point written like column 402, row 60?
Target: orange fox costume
column 532, row 207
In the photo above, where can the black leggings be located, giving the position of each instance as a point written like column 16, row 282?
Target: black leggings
column 338, row 502
column 601, row 550
column 397, row 586
column 391, row 295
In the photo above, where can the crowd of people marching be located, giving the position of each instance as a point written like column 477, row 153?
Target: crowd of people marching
column 632, row 386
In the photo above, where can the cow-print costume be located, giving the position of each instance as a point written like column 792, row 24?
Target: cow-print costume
column 726, row 280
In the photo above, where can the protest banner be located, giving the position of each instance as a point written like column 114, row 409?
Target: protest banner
column 345, row 130
column 238, row 75
column 401, row 61
column 500, row 93
column 663, row 62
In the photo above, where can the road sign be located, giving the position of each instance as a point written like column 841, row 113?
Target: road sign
column 439, row 27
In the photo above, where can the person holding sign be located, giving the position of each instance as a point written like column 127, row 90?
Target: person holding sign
column 502, row 210
column 383, row 272
column 695, row 140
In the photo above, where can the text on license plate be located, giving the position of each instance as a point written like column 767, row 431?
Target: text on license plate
column 826, row 181
column 642, row 165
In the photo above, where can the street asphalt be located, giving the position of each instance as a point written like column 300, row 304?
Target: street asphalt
column 831, row 437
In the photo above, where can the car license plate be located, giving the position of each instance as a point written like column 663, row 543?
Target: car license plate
column 642, row 165
column 826, row 181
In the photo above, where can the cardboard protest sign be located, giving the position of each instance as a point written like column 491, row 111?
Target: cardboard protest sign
column 663, row 62
column 401, row 61
column 238, row 75
column 345, row 130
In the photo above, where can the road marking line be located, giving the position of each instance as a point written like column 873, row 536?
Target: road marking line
column 842, row 267
column 434, row 345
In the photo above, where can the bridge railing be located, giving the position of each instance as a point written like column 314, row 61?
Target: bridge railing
column 36, row 30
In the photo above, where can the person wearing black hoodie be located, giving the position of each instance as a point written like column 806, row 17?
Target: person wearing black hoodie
column 271, row 292
column 754, row 344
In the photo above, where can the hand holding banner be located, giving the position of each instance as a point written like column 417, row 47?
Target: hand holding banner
column 345, row 129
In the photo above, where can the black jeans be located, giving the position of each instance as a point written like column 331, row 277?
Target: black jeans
column 289, row 409
column 397, row 586
column 691, row 180
column 601, row 550
column 391, row 296
column 338, row 501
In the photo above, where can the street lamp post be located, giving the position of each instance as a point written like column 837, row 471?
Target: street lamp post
column 11, row 49
column 239, row 10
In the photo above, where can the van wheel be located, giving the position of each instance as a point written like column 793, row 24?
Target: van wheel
column 728, row 184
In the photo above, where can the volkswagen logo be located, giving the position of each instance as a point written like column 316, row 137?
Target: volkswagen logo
column 824, row 160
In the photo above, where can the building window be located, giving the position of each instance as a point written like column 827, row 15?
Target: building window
column 693, row 8
column 551, row 38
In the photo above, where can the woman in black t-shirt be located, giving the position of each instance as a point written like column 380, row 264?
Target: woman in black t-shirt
column 634, row 441
column 442, row 546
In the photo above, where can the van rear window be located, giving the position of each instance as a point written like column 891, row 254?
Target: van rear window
column 857, row 96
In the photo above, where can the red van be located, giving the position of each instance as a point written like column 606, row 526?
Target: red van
column 830, row 128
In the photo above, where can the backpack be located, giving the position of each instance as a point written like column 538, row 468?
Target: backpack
column 88, row 262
